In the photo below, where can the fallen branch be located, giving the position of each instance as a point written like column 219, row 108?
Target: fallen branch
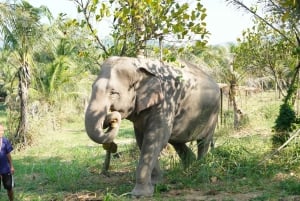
column 106, row 162
column 281, row 147
column 110, row 148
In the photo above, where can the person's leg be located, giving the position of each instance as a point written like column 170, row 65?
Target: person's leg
column 7, row 183
column 10, row 194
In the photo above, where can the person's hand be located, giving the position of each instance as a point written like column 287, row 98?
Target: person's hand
column 12, row 170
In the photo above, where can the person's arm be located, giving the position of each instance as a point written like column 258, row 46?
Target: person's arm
column 12, row 169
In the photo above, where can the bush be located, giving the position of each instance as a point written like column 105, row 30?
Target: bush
column 284, row 124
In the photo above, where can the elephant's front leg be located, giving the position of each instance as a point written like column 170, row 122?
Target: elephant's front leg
column 156, row 174
column 152, row 144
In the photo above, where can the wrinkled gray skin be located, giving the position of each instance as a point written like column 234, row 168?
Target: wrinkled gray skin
column 165, row 104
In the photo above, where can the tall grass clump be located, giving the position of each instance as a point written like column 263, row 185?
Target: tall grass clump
column 231, row 166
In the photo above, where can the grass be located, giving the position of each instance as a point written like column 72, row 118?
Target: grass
column 66, row 164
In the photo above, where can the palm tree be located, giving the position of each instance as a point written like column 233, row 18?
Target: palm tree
column 20, row 25
column 51, row 81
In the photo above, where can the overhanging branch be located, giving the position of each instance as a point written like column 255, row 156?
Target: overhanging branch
column 242, row 5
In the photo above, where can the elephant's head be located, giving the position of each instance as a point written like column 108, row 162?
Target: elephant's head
column 123, row 87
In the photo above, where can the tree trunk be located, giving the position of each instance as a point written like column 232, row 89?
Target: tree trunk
column 140, row 38
column 24, row 81
column 292, row 90
column 160, row 48
column 236, row 119
column 278, row 85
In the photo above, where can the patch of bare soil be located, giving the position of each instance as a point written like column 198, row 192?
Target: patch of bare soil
column 184, row 194
column 82, row 196
column 198, row 195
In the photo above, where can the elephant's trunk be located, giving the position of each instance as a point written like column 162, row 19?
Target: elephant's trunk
column 97, row 121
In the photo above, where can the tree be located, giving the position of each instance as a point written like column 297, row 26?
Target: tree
column 21, row 28
column 285, row 17
column 263, row 52
column 137, row 21
column 65, row 58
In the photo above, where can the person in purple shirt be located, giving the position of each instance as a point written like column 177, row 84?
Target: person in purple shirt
column 6, row 165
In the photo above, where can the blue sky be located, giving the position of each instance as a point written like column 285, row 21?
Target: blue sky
column 224, row 22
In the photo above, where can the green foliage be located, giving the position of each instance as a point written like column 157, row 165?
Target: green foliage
column 288, row 13
column 65, row 62
column 262, row 50
column 270, row 111
column 136, row 22
column 215, row 60
column 286, row 118
column 169, row 18
column 284, row 124
column 291, row 186
column 52, row 79
column 20, row 23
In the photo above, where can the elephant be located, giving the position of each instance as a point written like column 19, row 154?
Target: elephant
column 166, row 104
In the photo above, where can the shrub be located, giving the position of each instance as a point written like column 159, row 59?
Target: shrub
column 284, row 124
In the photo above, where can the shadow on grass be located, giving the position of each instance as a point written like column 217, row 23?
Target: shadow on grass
column 55, row 178
column 228, row 168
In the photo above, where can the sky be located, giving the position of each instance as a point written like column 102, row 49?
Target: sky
column 224, row 22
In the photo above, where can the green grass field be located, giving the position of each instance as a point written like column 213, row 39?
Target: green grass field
column 66, row 165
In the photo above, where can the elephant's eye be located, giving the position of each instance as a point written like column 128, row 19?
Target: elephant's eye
column 114, row 94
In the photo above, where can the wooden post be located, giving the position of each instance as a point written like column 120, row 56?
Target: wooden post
column 221, row 116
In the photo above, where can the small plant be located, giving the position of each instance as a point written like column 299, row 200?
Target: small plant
column 263, row 197
column 284, row 124
column 291, row 186
column 109, row 197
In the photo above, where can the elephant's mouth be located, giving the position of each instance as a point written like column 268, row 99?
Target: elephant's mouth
column 108, row 126
column 121, row 111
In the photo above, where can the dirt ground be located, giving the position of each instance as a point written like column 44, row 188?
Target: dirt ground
column 184, row 195
column 178, row 194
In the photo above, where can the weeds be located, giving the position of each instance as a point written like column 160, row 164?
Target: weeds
column 291, row 186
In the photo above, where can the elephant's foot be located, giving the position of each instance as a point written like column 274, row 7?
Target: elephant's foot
column 142, row 190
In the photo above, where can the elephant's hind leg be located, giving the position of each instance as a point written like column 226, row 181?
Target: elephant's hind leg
column 204, row 143
column 203, row 146
column 186, row 155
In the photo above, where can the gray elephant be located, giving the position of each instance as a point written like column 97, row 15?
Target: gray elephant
column 166, row 105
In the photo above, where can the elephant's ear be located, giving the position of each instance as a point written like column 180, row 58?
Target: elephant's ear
column 149, row 91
